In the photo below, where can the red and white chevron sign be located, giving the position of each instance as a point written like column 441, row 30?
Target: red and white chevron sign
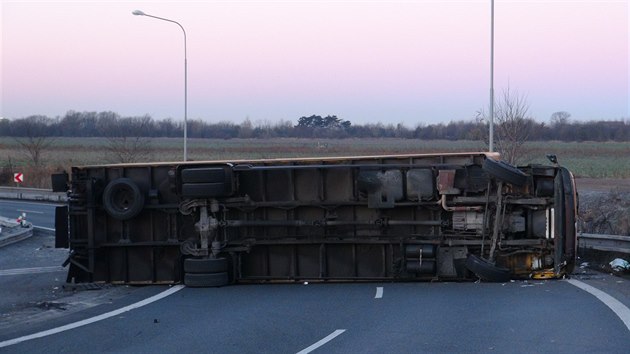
column 18, row 177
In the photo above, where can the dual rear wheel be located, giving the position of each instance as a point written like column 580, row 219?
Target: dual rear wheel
column 206, row 272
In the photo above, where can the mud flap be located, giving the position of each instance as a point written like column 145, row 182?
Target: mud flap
column 59, row 182
column 486, row 270
column 61, row 227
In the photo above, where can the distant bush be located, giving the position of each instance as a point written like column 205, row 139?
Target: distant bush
column 110, row 124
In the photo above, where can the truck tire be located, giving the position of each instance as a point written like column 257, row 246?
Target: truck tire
column 206, row 280
column 504, row 171
column 122, row 199
column 486, row 270
column 205, row 265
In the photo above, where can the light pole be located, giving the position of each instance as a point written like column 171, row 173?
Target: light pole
column 140, row 13
column 491, row 137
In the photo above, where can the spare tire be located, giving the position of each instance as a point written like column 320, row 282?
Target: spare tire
column 505, row 172
column 122, row 199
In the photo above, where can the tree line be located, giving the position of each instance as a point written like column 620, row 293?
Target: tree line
column 112, row 125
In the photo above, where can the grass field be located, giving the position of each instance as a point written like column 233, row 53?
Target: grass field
column 587, row 159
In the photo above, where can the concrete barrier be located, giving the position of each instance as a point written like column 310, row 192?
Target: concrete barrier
column 11, row 231
column 34, row 194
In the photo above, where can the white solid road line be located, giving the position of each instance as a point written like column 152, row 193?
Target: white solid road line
column 88, row 321
column 30, row 211
column 322, row 341
column 615, row 305
column 379, row 292
column 38, row 270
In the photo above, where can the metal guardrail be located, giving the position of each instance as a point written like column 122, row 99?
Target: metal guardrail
column 608, row 243
column 43, row 195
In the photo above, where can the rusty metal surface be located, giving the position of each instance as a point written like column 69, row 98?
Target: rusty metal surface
column 277, row 161
column 310, row 219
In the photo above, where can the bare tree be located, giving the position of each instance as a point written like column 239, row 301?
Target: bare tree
column 36, row 138
column 125, row 140
column 512, row 124
column 35, row 146
column 560, row 118
column 563, row 130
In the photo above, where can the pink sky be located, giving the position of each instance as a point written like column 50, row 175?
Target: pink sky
column 365, row 61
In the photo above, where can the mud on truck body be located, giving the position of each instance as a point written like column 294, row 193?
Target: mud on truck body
column 454, row 216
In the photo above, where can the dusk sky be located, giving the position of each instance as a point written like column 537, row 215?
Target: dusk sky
column 408, row 62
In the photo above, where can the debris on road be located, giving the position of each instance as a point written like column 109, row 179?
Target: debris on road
column 619, row 264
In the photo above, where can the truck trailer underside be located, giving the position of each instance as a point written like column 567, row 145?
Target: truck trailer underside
column 402, row 218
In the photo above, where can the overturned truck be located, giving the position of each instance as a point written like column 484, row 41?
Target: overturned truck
column 453, row 216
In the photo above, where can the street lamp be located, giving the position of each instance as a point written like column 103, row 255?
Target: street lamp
column 140, row 13
column 491, row 138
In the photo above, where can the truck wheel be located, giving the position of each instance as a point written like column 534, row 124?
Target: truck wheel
column 206, row 280
column 487, row 271
column 504, row 171
column 205, row 265
column 122, row 199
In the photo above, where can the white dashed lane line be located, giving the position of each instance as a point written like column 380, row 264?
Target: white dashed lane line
column 333, row 335
column 30, row 211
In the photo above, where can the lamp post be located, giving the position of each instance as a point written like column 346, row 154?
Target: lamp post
column 491, row 137
column 140, row 13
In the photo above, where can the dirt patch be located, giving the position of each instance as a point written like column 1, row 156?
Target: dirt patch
column 604, row 206
column 604, row 212
column 602, row 185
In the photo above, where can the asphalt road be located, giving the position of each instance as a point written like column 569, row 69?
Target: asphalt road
column 39, row 214
column 551, row 316
column 526, row 317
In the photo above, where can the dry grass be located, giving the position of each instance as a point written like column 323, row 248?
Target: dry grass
column 587, row 159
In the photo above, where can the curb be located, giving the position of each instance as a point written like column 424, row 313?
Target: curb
column 14, row 235
column 12, row 231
